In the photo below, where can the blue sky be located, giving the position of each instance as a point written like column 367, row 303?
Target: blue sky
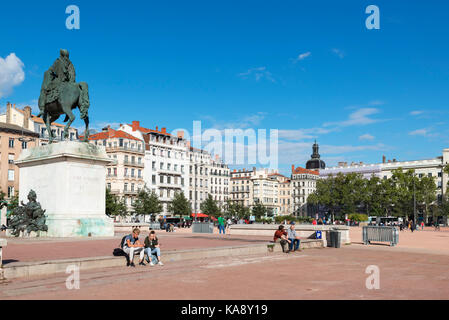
column 312, row 70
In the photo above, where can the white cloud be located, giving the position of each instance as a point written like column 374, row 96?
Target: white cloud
column 419, row 132
column 366, row 136
column 11, row 74
column 258, row 73
column 339, row 53
column 358, row 117
column 302, row 56
column 416, row 113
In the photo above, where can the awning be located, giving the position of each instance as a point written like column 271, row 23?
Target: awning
column 199, row 215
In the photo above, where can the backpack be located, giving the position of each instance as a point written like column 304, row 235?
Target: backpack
column 122, row 243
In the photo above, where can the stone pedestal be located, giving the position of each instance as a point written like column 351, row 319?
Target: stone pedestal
column 69, row 179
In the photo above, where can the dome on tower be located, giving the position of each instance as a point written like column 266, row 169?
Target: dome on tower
column 315, row 163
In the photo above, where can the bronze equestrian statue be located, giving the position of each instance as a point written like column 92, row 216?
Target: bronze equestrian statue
column 60, row 94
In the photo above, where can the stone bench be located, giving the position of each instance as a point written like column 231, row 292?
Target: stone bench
column 302, row 231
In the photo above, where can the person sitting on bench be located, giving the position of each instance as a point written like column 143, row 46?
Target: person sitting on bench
column 281, row 235
column 293, row 238
column 152, row 249
column 132, row 245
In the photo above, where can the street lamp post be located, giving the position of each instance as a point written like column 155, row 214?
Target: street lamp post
column 414, row 199
column 195, row 191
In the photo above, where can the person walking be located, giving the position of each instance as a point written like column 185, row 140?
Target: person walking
column 221, row 225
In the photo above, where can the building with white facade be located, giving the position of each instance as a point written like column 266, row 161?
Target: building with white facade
column 166, row 162
column 303, row 184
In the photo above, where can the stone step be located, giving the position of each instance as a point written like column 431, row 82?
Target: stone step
column 50, row 267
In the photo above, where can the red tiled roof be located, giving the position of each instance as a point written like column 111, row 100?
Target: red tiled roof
column 136, row 127
column 300, row 170
column 111, row 133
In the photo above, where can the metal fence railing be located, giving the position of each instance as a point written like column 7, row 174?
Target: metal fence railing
column 202, row 227
column 381, row 234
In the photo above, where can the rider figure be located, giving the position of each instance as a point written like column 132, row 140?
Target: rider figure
column 62, row 71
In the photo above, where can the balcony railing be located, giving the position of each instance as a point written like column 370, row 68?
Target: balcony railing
column 130, row 192
column 134, row 164
column 127, row 149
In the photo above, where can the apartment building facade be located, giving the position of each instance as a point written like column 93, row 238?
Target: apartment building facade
column 241, row 187
column 303, row 184
column 125, row 173
column 13, row 139
column 166, row 162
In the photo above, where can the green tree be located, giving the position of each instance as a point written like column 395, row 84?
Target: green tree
column 147, row 202
column 13, row 203
column 358, row 217
column 114, row 205
column 426, row 194
column 210, row 207
column 259, row 210
column 180, row 205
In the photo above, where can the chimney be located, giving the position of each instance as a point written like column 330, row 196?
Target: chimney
column 384, row 159
column 26, row 116
column 106, row 129
column 164, row 130
column 136, row 125
column 293, row 168
column 181, row 134
column 188, row 142
column 394, row 160
column 157, row 129
column 8, row 112
column 389, row 161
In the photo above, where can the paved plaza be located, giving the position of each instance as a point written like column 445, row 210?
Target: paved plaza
column 415, row 269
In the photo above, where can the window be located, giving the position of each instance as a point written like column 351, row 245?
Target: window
column 109, row 186
column 125, row 187
column 115, row 171
column 139, row 173
column 153, row 179
column 132, row 172
column 120, row 142
column 24, row 144
column 10, row 175
column 11, row 158
column 126, row 172
column 11, row 142
column 10, row 192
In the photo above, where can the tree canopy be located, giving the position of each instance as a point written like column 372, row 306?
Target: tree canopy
column 180, row 205
column 351, row 193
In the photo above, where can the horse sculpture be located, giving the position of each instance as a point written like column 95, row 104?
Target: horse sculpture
column 60, row 94
column 71, row 95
